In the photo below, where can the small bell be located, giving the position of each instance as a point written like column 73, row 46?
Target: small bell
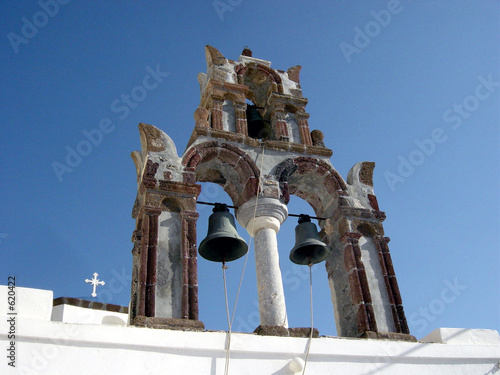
column 257, row 127
column 308, row 248
column 222, row 243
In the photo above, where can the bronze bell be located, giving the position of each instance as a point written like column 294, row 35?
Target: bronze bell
column 222, row 243
column 308, row 248
column 257, row 127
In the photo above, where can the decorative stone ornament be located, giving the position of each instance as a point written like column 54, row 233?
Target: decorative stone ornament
column 258, row 174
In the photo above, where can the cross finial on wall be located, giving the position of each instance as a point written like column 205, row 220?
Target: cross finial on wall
column 94, row 282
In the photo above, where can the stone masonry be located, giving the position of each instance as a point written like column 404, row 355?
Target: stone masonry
column 263, row 172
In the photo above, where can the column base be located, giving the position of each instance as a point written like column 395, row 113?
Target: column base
column 303, row 332
column 395, row 336
column 168, row 323
column 286, row 332
column 271, row 331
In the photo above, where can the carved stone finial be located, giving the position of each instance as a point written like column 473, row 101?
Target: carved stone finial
column 294, row 72
column 317, row 138
column 201, row 117
column 246, row 52
column 213, row 56
column 361, row 172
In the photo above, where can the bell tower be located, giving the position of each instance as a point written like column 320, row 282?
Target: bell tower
column 252, row 137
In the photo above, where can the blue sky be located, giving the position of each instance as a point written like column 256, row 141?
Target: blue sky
column 410, row 85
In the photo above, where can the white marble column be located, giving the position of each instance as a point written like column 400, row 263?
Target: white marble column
column 262, row 218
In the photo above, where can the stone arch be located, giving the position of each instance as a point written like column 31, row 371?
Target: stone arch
column 234, row 96
column 252, row 76
column 313, row 180
column 172, row 204
column 273, row 76
column 241, row 70
column 225, row 165
column 293, row 108
column 367, row 230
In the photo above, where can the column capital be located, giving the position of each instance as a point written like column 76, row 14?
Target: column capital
column 263, row 222
column 351, row 235
column 382, row 239
column 152, row 211
column 270, row 212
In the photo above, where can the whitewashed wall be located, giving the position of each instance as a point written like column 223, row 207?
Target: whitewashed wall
column 48, row 347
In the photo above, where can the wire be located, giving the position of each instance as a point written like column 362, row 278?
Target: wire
column 251, row 237
column 241, row 280
column 228, row 345
column 234, row 207
column 312, row 325
column 230, row 321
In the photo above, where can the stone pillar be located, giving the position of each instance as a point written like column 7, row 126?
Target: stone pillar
column 152, row 261
column 147, row 275
column 280, row 124
column 391, row 284
column 217, row 103
column 241, row 118
column 136, row 253
column 358, row 282
column 304, row 128
column 143, row 267
column 262, row 218
column 189, row 266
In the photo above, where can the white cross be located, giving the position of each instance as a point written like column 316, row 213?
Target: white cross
column 94, row 282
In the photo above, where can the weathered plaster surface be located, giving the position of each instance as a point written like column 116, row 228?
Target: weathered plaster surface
column 56, row 348
column 169, row 274
column 380, row 298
